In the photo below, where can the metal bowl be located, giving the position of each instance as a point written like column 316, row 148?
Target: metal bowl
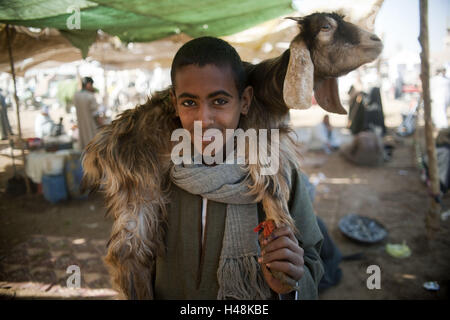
column 362, row 229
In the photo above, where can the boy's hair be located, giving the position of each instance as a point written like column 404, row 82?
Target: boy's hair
column 209, row 50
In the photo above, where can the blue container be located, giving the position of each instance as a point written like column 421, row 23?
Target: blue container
column 73, row 172
column 54, row 188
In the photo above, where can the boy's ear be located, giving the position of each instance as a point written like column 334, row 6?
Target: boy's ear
column 246, row 99
column 173, row 100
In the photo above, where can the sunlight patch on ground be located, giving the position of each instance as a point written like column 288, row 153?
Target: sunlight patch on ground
column 39, row 290
column 345, row 181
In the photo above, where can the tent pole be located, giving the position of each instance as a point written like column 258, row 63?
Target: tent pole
column 16, row 99
column 432, row 217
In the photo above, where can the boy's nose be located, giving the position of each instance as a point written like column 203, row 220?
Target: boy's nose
column 205, row 116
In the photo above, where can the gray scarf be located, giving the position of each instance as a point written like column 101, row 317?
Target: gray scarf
column 239, row 273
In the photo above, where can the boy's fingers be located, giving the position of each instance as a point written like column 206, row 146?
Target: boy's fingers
column 283, row 231
column 293, row 271
column 284, row 254
column 261, row 239
column 283, row 242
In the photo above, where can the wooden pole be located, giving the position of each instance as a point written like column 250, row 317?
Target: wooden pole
column 432, row 217
column 16, row 99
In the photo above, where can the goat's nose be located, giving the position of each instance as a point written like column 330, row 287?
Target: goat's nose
column 374, row 38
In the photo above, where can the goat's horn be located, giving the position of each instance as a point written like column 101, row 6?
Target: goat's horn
column 297, row 19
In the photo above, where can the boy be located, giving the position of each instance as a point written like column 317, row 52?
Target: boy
column 211, row 249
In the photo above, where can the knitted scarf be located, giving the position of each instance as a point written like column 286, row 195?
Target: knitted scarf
column 239, row 273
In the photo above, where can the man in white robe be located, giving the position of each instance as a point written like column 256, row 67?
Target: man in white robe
column 440, row 96
column 86, row 107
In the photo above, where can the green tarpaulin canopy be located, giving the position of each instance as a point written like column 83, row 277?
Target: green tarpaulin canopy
column 140, row 20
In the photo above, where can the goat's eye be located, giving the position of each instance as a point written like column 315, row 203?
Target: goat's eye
column 326, row 27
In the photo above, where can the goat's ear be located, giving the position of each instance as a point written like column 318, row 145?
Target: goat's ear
column 326, row 92
column 299, row 80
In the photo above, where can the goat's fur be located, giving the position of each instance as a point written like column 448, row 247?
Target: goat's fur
column 129, row 160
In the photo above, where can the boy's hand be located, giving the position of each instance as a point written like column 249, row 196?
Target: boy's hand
column 281, row 252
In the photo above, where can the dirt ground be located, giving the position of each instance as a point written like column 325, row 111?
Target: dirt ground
column 39, row 240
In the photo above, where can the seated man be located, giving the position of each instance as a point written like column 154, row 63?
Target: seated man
column 43, row 125
column 324, row 137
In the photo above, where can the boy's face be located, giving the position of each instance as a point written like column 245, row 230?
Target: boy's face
column 209, row 94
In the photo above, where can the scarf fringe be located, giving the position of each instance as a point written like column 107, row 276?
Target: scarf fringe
column 242, row 279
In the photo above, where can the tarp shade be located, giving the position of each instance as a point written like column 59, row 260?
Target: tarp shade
column 30, row 49
column 142, row 20
column 36, row 9
column 49, row 48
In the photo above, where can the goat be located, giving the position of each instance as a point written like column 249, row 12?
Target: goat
column 130, row 158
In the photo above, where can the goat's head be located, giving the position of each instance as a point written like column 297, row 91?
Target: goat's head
column 326, row 47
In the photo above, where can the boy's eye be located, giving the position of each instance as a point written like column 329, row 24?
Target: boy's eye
column 188, row 103
column 220, row 101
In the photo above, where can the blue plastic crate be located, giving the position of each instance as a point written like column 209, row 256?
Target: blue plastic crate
column 54, row 188
column 73, row 172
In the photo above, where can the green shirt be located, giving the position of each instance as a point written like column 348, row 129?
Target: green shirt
column 188, row 270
